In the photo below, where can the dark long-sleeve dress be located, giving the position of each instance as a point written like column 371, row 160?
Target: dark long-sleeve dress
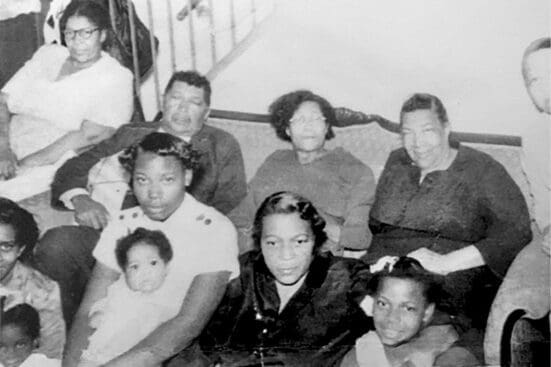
column 473, row 202
column 318, row 325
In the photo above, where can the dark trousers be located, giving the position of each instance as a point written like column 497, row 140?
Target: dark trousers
column 65, row 255
column 530, row 344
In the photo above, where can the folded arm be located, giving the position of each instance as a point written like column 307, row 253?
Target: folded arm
column 74, row 173
column 355, row 233
column 504, row 211
column 508, row 221
column 465, row 258
column 90, row 133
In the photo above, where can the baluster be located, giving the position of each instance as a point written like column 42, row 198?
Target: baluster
column 192, row 37
column 171, row 41
column 232, row 25
column 253, row 12
column 212, row 34
column 154, row 54
column 134, row 47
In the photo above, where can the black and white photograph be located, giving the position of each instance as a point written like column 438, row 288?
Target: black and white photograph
column 261, row 183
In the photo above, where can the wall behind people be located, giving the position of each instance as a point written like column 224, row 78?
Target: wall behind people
column 371, row 54
column 221, row 13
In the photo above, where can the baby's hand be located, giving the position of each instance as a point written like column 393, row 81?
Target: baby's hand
column 382, row 263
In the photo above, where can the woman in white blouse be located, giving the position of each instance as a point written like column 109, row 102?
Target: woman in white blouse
column 64, row 98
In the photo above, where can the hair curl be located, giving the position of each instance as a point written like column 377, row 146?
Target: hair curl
column 25, row 317
column 283, row 108
column 409, row 268
column 156, row 239
column 424, row 101
column 164, row 145
column 192, row 78
column 286, row 202
column 23, row 224
column 539, row 44
column 534, row 46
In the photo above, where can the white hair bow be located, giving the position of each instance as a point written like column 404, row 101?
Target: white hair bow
column 383, row 262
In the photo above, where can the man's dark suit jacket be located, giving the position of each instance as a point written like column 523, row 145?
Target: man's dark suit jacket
column 219, row 181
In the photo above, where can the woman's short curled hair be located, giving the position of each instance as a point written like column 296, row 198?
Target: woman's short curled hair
column 25, row 317
column 156, row 239
column 539, row 44
column 285, row 202
column 282, row 110
column 535, row 46
column 91, row 10
column 164, row 145
column 424, row 101
column 23, row 224
column 409, row 268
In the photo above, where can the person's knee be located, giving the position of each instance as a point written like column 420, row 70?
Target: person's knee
column 52, row 244
column 65, row 246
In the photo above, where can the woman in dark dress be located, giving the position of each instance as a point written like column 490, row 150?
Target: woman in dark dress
column 453, row 208
column 292, row 305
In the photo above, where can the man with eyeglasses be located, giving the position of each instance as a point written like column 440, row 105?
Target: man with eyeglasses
column 95, row 186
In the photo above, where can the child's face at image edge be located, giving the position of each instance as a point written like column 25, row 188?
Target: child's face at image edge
column 15, row 345
column 400, row 310
column 9, row 250
column 145, row 271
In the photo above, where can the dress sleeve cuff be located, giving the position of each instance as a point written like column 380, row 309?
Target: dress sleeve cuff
column 68, row 195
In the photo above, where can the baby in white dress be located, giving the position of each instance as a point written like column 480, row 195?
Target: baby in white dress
column 138, row 302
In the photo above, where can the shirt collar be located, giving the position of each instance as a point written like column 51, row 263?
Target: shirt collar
column 186, row 212
column 187, row 139
column 204, row 132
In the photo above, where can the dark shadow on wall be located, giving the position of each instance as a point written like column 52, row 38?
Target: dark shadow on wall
column 20, row 37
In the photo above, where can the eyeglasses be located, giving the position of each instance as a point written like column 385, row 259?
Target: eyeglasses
column 303, row 119
column 85, row 33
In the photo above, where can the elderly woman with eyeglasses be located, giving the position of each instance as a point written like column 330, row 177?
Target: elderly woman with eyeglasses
column 338, row 184
column 64, row 98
